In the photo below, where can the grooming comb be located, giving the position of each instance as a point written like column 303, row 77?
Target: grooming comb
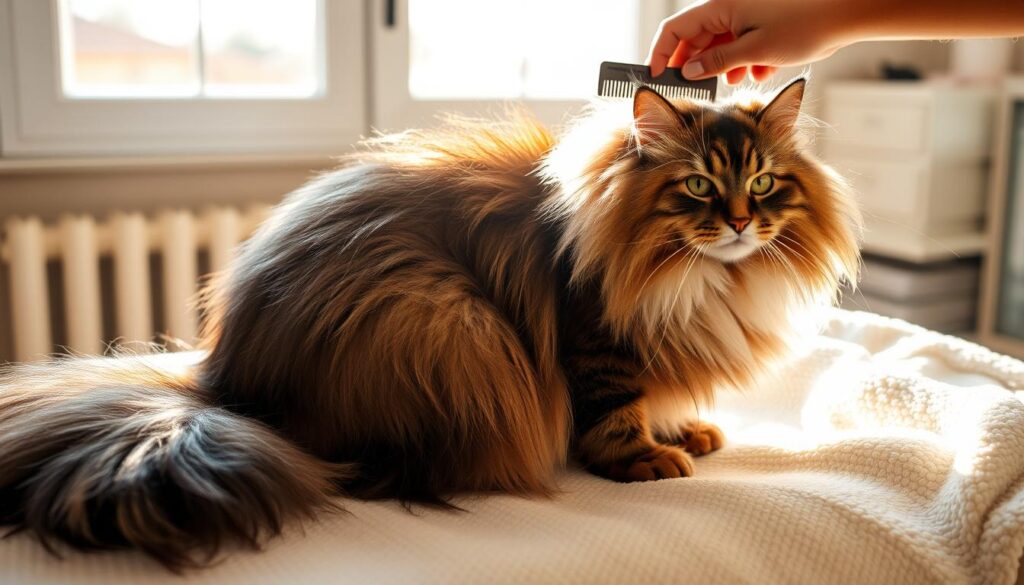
column 621, row 80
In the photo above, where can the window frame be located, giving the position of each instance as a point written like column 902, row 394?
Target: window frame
column 37, row 120
column 393, row 108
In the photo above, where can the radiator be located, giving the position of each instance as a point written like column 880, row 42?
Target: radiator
column 77, row 243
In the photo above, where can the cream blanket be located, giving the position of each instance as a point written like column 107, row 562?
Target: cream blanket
column 881, row 453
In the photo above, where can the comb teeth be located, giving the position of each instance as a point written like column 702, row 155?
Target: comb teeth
column 626, row 89
column 621, row 80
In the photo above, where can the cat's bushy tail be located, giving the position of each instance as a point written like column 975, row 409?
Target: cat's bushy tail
column 101, row 453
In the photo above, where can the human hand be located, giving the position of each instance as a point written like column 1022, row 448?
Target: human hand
column 734, row 37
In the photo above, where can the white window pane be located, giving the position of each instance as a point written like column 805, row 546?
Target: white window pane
column 191, row 48
column 260, row 49
column 130, row 48
column 477, row 49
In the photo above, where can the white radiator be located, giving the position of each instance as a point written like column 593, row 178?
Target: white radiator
column 78, row 243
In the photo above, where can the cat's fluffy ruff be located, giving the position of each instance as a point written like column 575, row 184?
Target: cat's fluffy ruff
column 703, row 321
column 422, row 317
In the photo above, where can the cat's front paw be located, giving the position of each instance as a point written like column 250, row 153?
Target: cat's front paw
column 659, row 462
column 701, row 438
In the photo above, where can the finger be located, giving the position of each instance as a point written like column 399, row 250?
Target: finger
column 698, row 43
column 664, row 45
column 720, row 39
column 678, row 56
column 762, row 72
column 735, row 76
column 684, row 26
column 687, row 49
column 718, row 59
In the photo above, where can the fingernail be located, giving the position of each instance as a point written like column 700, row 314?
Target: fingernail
column 693, row 69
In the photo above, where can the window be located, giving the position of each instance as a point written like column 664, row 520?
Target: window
column 189, row 48
column 130, row 77
column 558, row 59
column 469, row 55
column 87, row 77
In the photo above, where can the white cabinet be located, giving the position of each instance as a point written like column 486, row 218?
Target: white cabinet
column 869, row 127
column 917, row 154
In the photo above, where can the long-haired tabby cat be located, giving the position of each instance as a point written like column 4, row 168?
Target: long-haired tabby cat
column 452, row 310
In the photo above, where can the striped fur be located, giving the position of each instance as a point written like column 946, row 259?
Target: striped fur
column 452, row 310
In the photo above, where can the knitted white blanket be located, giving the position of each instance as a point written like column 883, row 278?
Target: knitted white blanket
column 882, row 453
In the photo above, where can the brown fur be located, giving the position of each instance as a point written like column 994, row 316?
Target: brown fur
column 452, row 310
column 110, row 454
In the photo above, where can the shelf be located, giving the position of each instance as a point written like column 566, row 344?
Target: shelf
column 902, row 244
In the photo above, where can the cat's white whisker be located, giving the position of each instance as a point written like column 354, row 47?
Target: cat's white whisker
column 784, row 246
column 651, row 275
column 774, row 250
column 697, row 251
column 802, row 247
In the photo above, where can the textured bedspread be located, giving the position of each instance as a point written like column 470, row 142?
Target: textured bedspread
column 881, row 453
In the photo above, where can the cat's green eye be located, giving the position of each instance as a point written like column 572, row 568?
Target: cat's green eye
column 762, row 184
column 698, row 186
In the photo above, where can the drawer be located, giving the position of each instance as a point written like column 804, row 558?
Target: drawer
column 950, row 315
column 891, row 189
column 874, row 128
column 903, row 282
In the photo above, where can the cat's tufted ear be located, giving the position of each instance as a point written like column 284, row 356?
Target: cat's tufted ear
column 783, row 110
column 654, row 118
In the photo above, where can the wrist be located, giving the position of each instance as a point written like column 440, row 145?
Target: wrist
column 850, row 22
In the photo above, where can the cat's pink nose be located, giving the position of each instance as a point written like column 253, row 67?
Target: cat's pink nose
column 738, row 223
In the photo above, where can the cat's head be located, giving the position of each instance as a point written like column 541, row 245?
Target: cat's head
column 645, row 197
column 726, row 181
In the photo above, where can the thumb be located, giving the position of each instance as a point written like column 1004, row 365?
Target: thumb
column 719, row 59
